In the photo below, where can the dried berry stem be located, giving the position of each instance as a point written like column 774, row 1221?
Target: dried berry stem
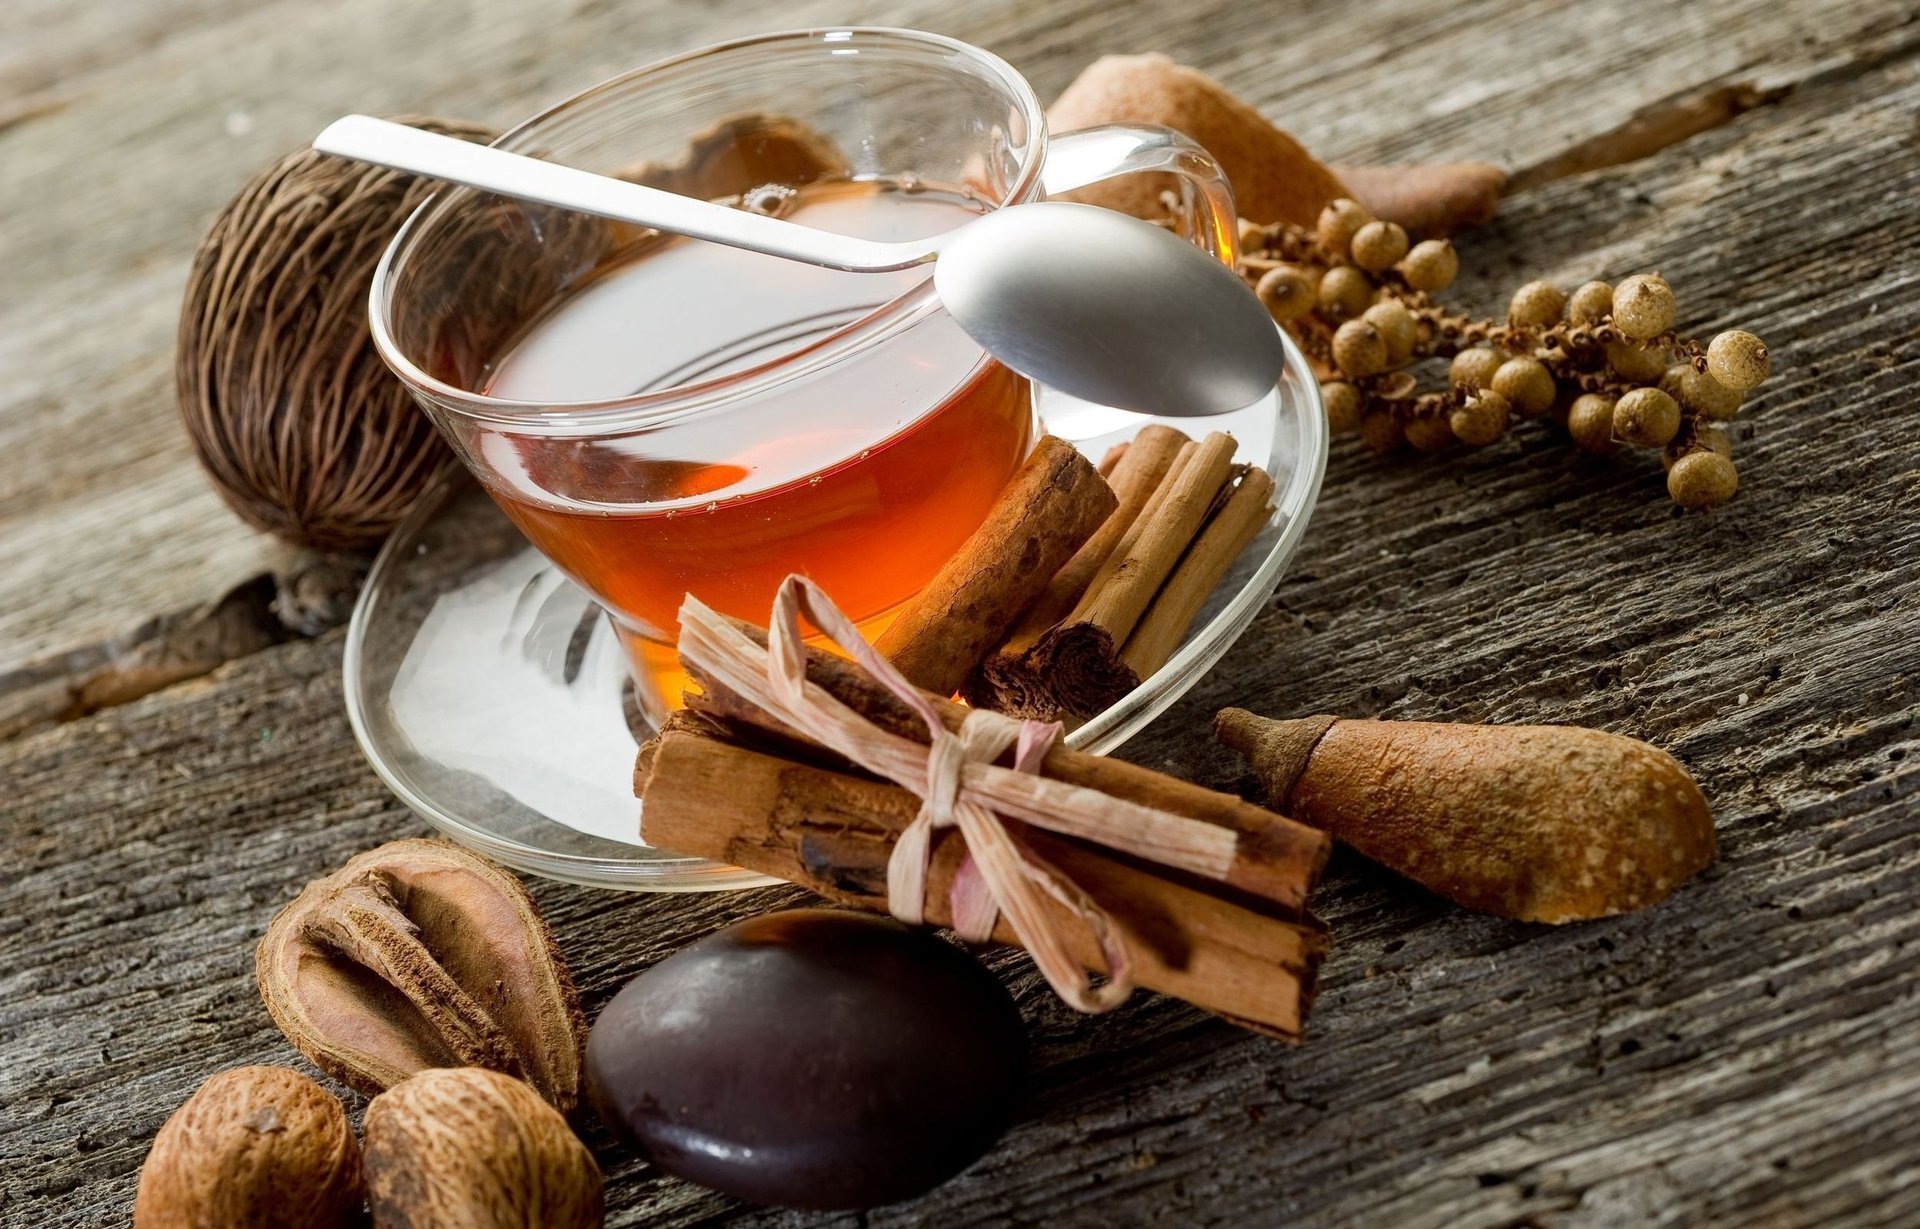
column 1358, row 299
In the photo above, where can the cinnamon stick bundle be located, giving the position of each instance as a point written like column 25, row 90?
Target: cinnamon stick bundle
column 1133, row 609
column 833, row 832
column 1275, row 859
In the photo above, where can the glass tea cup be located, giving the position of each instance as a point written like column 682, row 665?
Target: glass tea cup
column 662, row 417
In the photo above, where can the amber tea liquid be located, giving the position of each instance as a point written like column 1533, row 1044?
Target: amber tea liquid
column 866, row 476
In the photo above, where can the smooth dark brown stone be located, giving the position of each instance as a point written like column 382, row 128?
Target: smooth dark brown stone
column 812, row 1058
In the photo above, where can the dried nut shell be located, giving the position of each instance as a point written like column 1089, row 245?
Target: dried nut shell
column 1345, row 292
column 465, row 1148
column 1738, row 360
column 1359, row 349
column 255, row 1146
column 1482, row 420
column 1637, row 363
column 1590, row 422
column 1378, row 246
column 419, row 954
column 1527, row 385
column 1590, row 304
column 1537, row 303
column 301, row 428
column 1344, row 404
column 1288, row 291
column 1643, row 306
column 1431, row 265
column 1398, row 326
column 1474, row 367
column 1703, row 479
column 1646, row 417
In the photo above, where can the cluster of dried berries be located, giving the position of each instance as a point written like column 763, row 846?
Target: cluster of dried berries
column 1604, row 361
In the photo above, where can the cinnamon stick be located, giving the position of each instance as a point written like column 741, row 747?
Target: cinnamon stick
column 833, row 833
column 1055, row 502
column 1135, row 480
column 1227, row 534
column 1077, row 665
column 1276, row 858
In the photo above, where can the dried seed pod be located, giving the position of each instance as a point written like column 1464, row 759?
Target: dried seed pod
column 1646, row 417
column 466, row 1148
column 1289, row 291
column 1527, row 385
column 1431, row 265
column 1637, row 363
column 1339, row 221
column 1345, row 292
column 253, row 1148
column 1482, row 420
column 1536, row 304
column 1398, row 326
column 1703, row 479
column 1474, row 368
column 1738, row 359
column 1590, row 422
column 1344, row 403
column 301, row 428
column 1540, row 823
column 1378, row 246
column 1359, row 349
column 1590, row 304
column 419, row 954
column 1643, row 306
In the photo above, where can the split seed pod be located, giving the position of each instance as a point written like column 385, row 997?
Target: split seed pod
column 1539, row 823
column 419, row 954
column 253, row 1147
column 465, row 1148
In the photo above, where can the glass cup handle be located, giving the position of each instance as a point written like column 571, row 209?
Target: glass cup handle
column 1090, row 155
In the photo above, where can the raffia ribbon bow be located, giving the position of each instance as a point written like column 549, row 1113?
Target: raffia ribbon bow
column 961, row 786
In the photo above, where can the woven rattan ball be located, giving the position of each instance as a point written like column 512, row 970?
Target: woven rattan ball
column 304, row 431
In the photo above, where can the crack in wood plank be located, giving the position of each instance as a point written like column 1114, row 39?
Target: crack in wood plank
column 166, row 650
column 1682, row 116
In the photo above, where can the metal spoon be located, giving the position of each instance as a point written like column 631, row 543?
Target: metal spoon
column 1099, row 305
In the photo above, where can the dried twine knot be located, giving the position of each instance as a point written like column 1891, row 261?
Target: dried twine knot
column 961, row 786
column 1012, row 879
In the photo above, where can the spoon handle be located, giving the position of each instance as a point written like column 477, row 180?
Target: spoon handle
column 385, row 143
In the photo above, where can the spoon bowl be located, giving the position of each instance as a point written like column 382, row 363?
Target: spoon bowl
column 1100, row 305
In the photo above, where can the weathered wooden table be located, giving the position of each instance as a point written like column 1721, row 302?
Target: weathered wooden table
column 1746, row 1054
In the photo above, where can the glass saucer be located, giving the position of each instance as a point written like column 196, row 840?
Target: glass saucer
column 490, row 694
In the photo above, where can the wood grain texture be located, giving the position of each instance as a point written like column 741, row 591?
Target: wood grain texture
column 1746, row 1054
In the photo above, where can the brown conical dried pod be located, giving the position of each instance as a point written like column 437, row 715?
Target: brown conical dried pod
column 253, row 1147
column 1539, row 823
column 420, row 954
column 301, row 427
